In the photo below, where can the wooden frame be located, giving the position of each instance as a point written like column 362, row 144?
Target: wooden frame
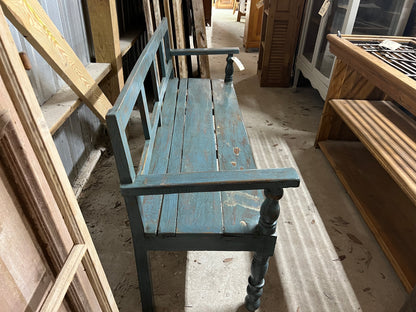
column 35, row 25
column 29, row 112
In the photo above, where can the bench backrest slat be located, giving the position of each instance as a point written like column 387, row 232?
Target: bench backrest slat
column 161, row 69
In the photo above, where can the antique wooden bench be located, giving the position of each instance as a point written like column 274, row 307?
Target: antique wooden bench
column 197, row 186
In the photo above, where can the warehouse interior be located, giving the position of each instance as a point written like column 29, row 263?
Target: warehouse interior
column 60, row 191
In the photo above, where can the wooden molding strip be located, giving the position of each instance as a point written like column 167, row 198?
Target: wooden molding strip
column 54, row 299
column 30, row 114
column 35, row 25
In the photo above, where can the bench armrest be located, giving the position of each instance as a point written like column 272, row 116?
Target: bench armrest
column 232, row 180
column 205, row 51
column 229, row 68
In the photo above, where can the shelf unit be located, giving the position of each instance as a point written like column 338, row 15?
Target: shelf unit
column 314, row 59
column 279, row 37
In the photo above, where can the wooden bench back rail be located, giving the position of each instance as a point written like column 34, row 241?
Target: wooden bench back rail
column 134, row 92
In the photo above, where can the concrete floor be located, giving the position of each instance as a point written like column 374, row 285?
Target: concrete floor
column 326, row 258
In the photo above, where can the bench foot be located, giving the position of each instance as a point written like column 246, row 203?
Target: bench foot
column 259, row 268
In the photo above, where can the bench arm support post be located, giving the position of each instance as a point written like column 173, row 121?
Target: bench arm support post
column 229, row 69
column 269, row 212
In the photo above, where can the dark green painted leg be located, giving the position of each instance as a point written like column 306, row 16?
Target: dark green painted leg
column 269, row 213
column 229, row 69
column 145, row 280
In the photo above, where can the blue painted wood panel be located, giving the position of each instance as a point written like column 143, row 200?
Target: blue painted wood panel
column 199, row 212
column 241, row 210
column 159, row 162
column 168, row 218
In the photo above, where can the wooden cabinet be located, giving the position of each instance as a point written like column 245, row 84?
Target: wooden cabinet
column 279, row 37
column 252, row 29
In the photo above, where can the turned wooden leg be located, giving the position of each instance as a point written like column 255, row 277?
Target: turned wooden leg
column 269, row 213
column 229, row 69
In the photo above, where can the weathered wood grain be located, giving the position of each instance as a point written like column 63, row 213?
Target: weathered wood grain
column 199, row 213
column 152, row 204
column 168, row 217
column 30, row 114
column 193, row 182
column 105, row 35
column 234, row 153
column 54, row 299
column 201, row 36
column 35, row 25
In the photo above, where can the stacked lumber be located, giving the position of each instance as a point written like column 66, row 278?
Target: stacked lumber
column 186, row 23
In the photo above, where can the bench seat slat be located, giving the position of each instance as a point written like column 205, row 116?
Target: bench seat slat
column 199, row 212
column 388, row 133
column 240, row 209
column 151, row 205
column 167, row 224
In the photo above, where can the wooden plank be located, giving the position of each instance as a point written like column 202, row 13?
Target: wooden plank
column 346, row 83
column 148, row 17
column 61, row 105
column 156, row 10
column 199, row 212
column 211, row 181
column 180, row 37
column 39, row 204
column 168, row 217
column 241, row 210
column 388, row 134
column 24, row 100
column 201, row 36
column 166, row 6
column 105, row 35
column 35, row 25
column 128, row 40
column 389, row 214
column 160, row 155
column 54, row 299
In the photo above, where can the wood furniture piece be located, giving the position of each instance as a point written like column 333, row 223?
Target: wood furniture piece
column 45, row 198
column 252, row 27
column 224, row 4
column 370, row 17
column 279, row 37
column 371, row 142
column 196, row 152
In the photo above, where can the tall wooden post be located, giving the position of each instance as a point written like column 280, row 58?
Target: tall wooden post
column 105, row 35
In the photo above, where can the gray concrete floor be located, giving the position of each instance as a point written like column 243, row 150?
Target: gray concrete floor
column 326, row 258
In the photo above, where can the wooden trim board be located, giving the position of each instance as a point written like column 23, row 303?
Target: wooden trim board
column 35, row 25
column 28, row 109
column 63, row 103
column 389, row 213
column 105, row 35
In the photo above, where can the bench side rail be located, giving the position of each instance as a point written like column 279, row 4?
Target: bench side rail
column 231, row 180
column 134, row 92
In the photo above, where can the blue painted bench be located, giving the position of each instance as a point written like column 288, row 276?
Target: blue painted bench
column 197, row 186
